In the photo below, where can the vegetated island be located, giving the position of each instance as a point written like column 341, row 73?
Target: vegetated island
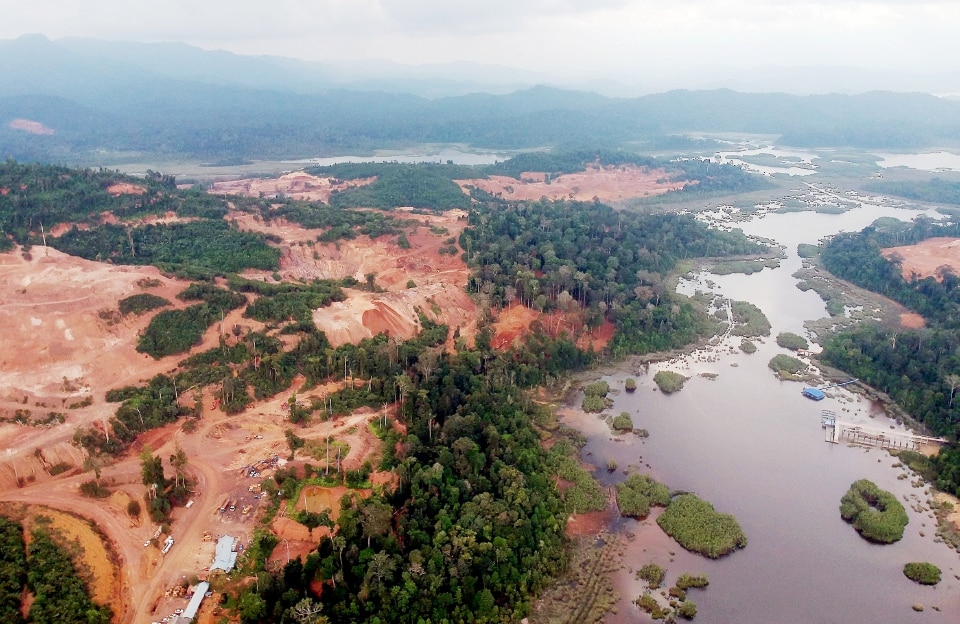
column 669, row 381
column 876, row 514
column 699, row 528
column 922, row 572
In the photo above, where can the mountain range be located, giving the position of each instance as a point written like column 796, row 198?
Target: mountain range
column 85, row 101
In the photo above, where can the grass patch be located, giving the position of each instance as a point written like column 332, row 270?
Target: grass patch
column 622, row 422
column 792, row 341
column 748, row 320
column 638, row 493
column 785, row 364
column 922, row 572
column 669, row 381
column 699, row 528
column 652, row 574
column 747, row 267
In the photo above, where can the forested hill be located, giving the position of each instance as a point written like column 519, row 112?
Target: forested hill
column 917, row 368
column 85, row 104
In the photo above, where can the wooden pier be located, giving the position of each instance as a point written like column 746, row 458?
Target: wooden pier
column 837, row 431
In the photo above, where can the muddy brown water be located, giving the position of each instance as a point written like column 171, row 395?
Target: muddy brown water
column 753, row 446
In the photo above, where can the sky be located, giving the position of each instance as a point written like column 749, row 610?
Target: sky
column 574, row 37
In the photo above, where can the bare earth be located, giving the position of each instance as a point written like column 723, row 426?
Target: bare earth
column 926, row 258
column 608, row 184
column 296, row 185
column 33, row 127
column 439, row 279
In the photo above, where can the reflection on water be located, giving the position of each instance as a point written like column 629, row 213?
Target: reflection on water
column 429, row 153
column 931, row 161
column 753, row 446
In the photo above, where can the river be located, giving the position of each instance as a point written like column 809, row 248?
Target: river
column 753, row 446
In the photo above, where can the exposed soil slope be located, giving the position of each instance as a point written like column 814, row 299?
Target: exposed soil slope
column 608, row 184
column 296, row 185
column 926, row 258
column 438, row 279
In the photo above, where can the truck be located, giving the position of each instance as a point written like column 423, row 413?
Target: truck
column 224, row 504
column 167, row 544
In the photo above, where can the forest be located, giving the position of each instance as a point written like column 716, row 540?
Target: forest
column 917, row 368
column 586, row 258
column 215, row 122
column 60, row 595
column 936, row 190
column 475, row 528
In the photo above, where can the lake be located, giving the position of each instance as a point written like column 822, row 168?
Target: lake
column 753, row 446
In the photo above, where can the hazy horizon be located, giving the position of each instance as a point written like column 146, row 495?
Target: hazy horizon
column 641, row 45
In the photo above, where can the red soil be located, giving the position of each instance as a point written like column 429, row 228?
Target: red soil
column 606, row 183
column 124, row 188
column 912, row 320
column 927, row 258
column 439, row 278
column 514, row 322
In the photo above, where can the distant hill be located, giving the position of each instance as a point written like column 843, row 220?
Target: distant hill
column 96, row 98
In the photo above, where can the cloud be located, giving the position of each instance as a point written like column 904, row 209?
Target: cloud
column 565, row 35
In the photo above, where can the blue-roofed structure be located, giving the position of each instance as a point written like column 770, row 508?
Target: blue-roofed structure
column 225, row 557
column 191, row 611
column 813, row 393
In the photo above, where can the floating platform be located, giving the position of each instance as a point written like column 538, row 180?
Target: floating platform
column 813, row 393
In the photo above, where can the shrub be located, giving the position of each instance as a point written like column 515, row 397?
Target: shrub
column 876, row 514
column 747, row 347
column 699, row 528
column 630, row 384
column 791, row 341
column 59, row 468
column 652, row 574
column 922, row 572
column 623, row 422
column 669, row 381
column 133, row 509
column 638, row 493
column 600, row 389
column 140, row 303
column 686, row 581
column 687, row 610
column 649, row 604
column 593, row 404
column 93, row 489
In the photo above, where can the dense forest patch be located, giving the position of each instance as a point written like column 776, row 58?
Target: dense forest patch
column 917, row 368
column 936, row 190
column 638, row 493
column 586, row 256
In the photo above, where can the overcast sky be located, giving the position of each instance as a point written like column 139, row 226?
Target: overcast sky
column 583, row 37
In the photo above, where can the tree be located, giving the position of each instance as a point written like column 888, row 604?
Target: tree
column 179, row 462
column 375, row 518
column 308, row 612
column 252, row 607
column 151, row 469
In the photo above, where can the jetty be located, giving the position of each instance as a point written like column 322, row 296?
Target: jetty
column 836, row 431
